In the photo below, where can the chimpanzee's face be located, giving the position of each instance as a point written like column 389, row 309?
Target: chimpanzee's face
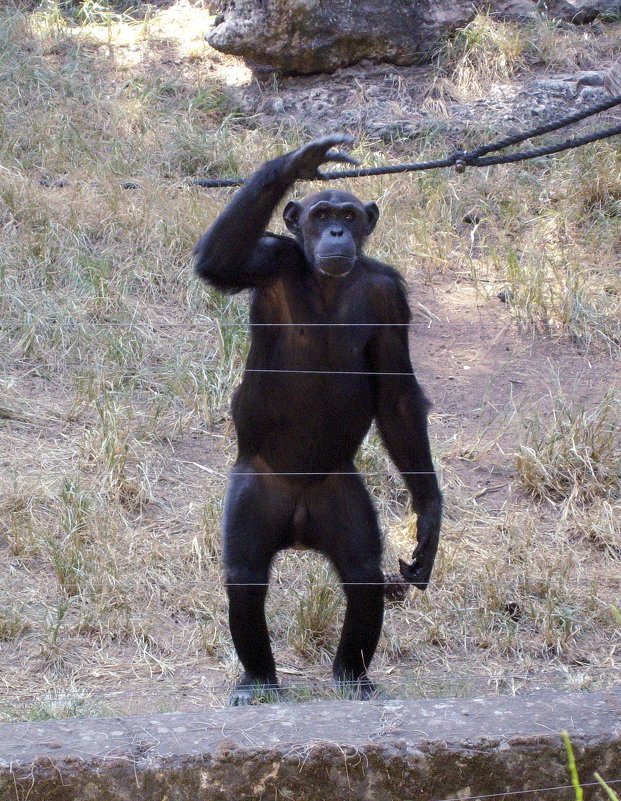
column 331, row 227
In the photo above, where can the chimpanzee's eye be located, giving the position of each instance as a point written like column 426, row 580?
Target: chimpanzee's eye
column 349, row 216
column 322, row 214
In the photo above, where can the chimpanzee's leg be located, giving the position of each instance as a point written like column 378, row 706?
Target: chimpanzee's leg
column 343, row 525
column 257, row 514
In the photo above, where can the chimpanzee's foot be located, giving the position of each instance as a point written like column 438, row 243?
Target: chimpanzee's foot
column 251, row 690
column 362, row 689
column 395, row 587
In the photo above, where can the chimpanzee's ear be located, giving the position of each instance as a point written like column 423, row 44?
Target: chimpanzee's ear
column 291, row 216
column 372, row 216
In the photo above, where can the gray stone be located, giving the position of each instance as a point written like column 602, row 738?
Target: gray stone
column 612, row 79
column 340, row 751
column 513, row 9
column 580, row 11
column 590, row 78
column 276, row 105
column 591, row 95
column 307, row 36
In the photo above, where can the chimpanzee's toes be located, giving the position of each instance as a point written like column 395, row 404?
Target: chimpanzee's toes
column 249, row 692
column 395, row 588
column 369, row 691
column 241, row 697
column 360, row 690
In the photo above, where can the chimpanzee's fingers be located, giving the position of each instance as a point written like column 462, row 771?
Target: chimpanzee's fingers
column 337, row 156
column 320, row 148
column 419, row 547
column 344, row 158
column 326, row 142
column 418, row 575
column 306, row 161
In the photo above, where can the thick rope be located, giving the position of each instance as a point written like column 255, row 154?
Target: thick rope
column 470, row 158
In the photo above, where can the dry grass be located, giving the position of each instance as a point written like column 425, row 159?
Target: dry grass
column 116, row 370
column 488, row 52
column 575, row 454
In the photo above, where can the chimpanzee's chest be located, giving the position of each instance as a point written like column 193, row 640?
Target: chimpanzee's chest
column 312, row 330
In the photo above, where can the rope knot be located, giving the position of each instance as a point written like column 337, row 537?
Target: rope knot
column 460, row 160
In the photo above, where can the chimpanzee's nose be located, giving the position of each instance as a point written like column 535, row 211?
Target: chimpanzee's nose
column 336, row 231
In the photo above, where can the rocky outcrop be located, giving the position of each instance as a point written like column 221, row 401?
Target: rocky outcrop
column 386, row 103
column 310, row 36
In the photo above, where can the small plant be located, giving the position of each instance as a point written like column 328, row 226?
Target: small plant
column 208, row 545
column 549, row 291
column 12, row 624
column 575, row 454
column 484, row 51
column 573, row 771
column 214, row 101
column 575, row 780
column 599, row 525
column 316, row 613
column 57, row 705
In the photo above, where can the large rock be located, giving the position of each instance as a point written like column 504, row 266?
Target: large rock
column 580, row 11
column 306, row 36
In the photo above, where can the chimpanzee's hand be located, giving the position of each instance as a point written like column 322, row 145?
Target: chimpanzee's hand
column 427, row 534
column 303, row 164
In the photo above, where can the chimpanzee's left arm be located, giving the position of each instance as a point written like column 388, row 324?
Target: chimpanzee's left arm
column 401, row 415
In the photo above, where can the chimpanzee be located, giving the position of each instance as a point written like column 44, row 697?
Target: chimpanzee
column 328, row 355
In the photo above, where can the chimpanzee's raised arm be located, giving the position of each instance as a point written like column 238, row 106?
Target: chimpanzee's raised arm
column 234, row 254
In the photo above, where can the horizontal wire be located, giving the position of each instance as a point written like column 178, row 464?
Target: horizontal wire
column 389, row 473
column 228, row 369
column 330, row 473
column 435, row 323
column 431, row 677
column 279, row 583
column 145, row 371
column 558, row 787
column 197, row 321
column 226, row 686
column 96, row 324
column 135, row 372
column 388, row 582
column 231, row 470
column 320, row 372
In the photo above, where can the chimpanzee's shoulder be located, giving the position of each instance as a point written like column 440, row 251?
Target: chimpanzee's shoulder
column 283, row 252
column 382, row 274
column 280, row 242
column 387, row 287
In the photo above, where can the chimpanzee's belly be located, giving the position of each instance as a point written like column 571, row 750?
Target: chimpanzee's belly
column 302, row 422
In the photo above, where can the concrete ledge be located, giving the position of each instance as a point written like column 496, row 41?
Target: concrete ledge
column 339, row 751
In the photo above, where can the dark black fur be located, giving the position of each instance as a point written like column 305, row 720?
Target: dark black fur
column 313, row 421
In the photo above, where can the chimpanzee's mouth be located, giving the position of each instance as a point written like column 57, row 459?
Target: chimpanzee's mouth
column 336, row 265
